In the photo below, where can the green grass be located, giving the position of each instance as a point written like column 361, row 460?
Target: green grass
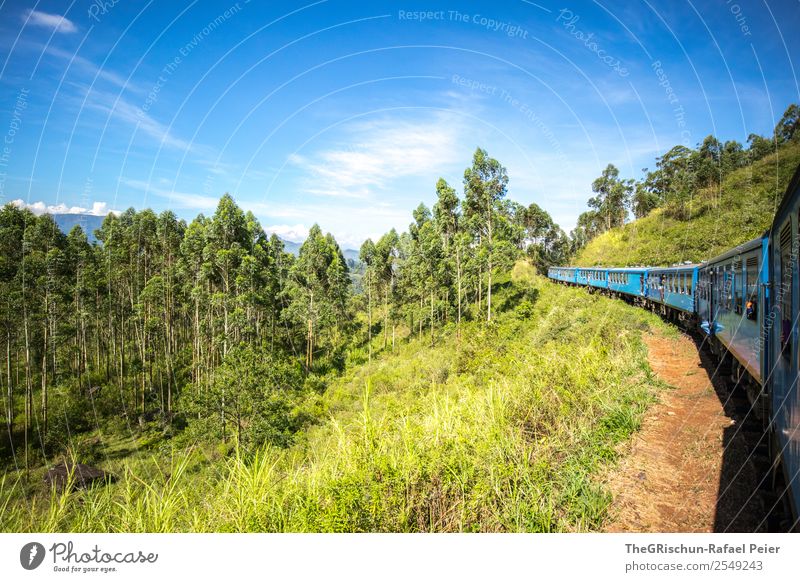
column 507, row 429
column 721, row 218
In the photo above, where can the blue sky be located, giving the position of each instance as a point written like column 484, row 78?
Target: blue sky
column 346, row 113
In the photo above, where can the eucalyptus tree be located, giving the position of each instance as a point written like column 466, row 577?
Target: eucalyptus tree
column 386, row 261
column 611, row 199
column 447, row 215
column 318, row 290
column 367, row 256
column 485, row 186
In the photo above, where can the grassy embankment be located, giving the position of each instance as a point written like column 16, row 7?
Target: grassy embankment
column 508, row 429
column 722, row 217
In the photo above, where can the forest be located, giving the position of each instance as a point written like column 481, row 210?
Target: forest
column 212, row 327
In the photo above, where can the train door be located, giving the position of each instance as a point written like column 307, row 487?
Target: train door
column 718, row 297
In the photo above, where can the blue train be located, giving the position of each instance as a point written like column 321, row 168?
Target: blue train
column 746, row 302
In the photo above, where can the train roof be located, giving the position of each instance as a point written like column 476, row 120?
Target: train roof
column 738, row 250
column 686, row 267
column 606, row 268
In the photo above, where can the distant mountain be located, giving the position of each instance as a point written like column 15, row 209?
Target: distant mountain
column 91, row 223
column 87, row 222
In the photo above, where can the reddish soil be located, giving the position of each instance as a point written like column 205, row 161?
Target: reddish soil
column 687, row 469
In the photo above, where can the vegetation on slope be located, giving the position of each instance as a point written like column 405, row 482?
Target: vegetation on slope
column 718, row 218
column 504, row 429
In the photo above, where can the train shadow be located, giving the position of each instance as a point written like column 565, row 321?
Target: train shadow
column 745, row 498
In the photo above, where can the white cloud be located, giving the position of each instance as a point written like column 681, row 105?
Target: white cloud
column 383, row 152
column 89, row 67
column 39, row 208
column 52, row 21
column 123, row 111
column 189, row 200
column 294, row 233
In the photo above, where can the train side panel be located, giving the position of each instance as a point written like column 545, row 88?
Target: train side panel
column 780, row 328
column 598, row 278
column 735, row 316
column 673, row 287
column 627, row 281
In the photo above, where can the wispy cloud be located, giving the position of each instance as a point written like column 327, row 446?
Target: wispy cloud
column 177, row 199
column 382, row 152
column 52, row 21
column 91, row 68
column 123, row 111
column 39, row 208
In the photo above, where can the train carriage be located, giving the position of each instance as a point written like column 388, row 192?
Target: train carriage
column 598, row 278
column 672, row 287
column 562, row 274
column 627, row 281
column 731, row 306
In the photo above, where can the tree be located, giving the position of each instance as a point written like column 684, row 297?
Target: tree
column 646, row 195
column 485, row 185
column 611, row 200
column 758, row 147
column 367, row 256
column 787, row 128
column 385, row 259
column 318, row 289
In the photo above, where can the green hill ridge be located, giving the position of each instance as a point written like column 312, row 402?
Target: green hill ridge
column 721, row 217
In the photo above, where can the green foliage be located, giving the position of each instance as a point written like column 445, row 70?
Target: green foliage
column 682, row 175
column 718, row 218
column 480, row 433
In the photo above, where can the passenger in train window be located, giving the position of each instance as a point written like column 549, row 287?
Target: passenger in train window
column 751, row 308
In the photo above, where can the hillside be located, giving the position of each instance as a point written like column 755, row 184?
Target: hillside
column 721, row 218
column 478, row 434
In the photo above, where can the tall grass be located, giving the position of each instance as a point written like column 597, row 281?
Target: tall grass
column 504, row 430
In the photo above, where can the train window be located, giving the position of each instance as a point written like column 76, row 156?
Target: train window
column 787, row 284
column 751, row 305
column 689, row 284
column 728, row 290
column 737, row 291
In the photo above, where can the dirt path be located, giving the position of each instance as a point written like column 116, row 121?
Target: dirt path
column 687, row 469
